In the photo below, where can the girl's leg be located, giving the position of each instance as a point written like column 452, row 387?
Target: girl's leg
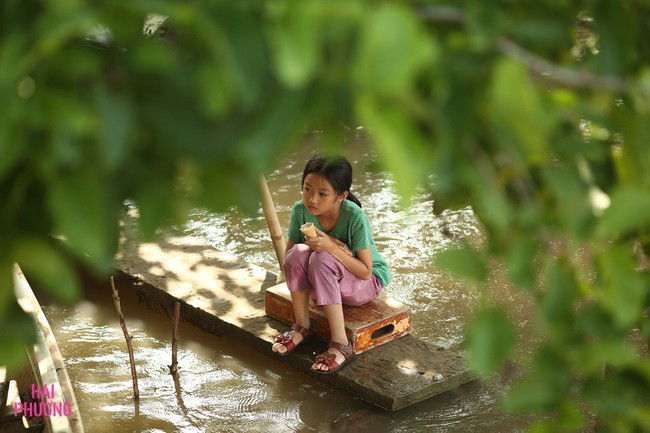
column 296, row 265
column 295, row 271
column 334, row 314
column 333, row 286
column 300, row 301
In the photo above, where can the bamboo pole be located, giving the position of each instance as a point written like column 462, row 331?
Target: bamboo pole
column 134, row 375
column 173, row 369
column 275, row 230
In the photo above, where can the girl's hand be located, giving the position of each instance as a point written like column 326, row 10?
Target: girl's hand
column 324, row 242
column 344, row 247
column 321, row 242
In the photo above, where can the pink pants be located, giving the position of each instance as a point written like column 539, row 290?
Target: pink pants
column 326, row 278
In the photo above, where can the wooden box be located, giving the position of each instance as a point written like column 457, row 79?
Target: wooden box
column 373, row 324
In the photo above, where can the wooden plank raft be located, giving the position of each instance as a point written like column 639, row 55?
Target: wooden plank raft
column 221, row 294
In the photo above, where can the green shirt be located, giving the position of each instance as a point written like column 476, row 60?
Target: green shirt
column 353, row 229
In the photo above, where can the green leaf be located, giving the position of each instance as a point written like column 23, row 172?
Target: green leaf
column 594, row 321
column 154, row 205
column 247, row 49
column 491, row 204
column 557, row 299
column 571, row 417
column 609, row 394
column 260, row 144
column 464, row 262
column 490, row 340
column 569, row 206
column 400, row 145
column 542, row 427
column 541, row 31
column 16, row 330
column 520, row 262
column 628, row 211
column 10, row 150
column 618, row 354
column 623, row 291
column 544, row 387
column 223, row 185
column 40, row 261
column 615, row 30
column 86, row 215
column 392, row 50
column 151, row 56
column 215, row 95
column 116, row 125
column 519, row 115
column 7, row 296
column 645, row 327
column 295, row 41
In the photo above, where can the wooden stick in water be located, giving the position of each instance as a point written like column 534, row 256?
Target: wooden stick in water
column 173, row 369
column 134, row 375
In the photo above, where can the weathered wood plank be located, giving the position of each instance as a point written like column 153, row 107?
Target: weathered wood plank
column 11, row 396
column 225, row 296
column 47, row 364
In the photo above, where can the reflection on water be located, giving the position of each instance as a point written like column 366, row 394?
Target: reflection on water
column 224, row 386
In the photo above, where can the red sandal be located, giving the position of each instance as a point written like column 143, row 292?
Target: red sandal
column 286, row 339
column 329, row 359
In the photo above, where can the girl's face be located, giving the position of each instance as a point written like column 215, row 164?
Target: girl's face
column 319, row 196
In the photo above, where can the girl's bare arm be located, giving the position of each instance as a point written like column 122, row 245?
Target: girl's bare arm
column 360, row 266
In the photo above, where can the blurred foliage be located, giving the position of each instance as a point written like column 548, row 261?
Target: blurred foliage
column 535, row 113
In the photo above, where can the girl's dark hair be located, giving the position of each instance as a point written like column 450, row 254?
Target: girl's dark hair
column 336, row 169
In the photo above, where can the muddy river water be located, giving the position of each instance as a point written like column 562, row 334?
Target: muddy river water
column 223, row 386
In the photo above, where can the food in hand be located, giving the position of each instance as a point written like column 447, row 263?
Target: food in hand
column 308, row 230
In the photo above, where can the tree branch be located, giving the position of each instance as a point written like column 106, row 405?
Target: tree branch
column 538, row 65
column 129, row 344
column 567, row 76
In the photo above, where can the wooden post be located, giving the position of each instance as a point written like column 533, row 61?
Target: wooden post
column 173, row 369
column 275, row 230
column 134, row 375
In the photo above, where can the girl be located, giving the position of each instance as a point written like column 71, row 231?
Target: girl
column 340, row 265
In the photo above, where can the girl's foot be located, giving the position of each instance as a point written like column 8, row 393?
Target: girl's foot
column 285, row 343
column 336, row 357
